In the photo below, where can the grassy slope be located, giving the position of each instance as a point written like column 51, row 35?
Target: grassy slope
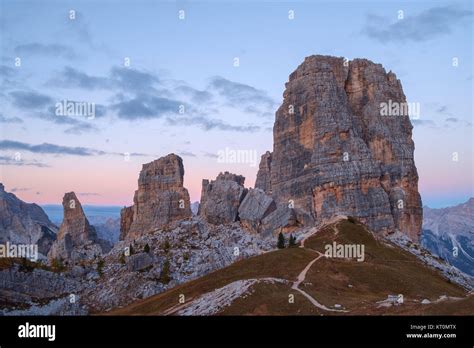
column 285, row 264
column 386, row 270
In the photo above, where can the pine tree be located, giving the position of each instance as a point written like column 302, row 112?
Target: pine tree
column 281, row 241
column 292, row 242
column 146, row 248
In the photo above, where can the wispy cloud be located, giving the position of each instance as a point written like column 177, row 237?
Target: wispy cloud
column 187, row 154
column 50, row 50
column 427, row 25
column 146, row 106
column 6, row 71
column 9, row 161
column 208, row 124
column 210, row 155
column 123, row 78
column 73, row 78
column 30, row 99
column 88, row 194
column 46, row 148
column 133, row 79
column 423, row 123
column 76, row 123
column 4, row 119
column 196, row 95
column 53, row 149
column 242, row 96
column 20, row 189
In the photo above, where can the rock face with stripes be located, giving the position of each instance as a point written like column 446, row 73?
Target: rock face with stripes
column 342, row 144
column 160, row 199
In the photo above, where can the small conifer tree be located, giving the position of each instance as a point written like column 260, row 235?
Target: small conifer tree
column 281, row 241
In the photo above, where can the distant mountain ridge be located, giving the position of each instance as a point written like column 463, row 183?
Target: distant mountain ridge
column 24, row 223
column 448, row 228
column 106, row 219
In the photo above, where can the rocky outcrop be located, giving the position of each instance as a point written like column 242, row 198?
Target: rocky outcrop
column 191, row 249
column 263, row 180
column 21, row 287
column 139, row 262
column 220, row 198
column 283, row 219
column 254, row 208
column 126, row 219
column 334, row 152
column 24, row 223
column 160, row 199
column 77, row 239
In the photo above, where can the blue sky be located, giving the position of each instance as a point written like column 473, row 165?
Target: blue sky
column 190, row 62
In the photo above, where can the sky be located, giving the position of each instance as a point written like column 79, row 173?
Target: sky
column 203, row 78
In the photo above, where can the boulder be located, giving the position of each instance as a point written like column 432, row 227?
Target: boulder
column 282, row 219
column 221, row 198
column 255, row 207
column 138, row 262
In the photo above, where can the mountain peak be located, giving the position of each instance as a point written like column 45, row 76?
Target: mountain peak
column 334, row 152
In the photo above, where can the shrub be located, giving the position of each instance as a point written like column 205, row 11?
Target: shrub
column 122, row 258
column 100, row 267
column 57, row 265
column 352, row 219
column 165, row 273
column 166, row 246
column 27, row 265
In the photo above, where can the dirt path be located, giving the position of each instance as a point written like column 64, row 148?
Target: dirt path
column 321, row 226
column 210, row 296
column 302, row 277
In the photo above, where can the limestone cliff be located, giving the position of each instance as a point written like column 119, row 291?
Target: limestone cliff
column 334, row 152
column 76, row 240
column 159, row 200
column 24, row 223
